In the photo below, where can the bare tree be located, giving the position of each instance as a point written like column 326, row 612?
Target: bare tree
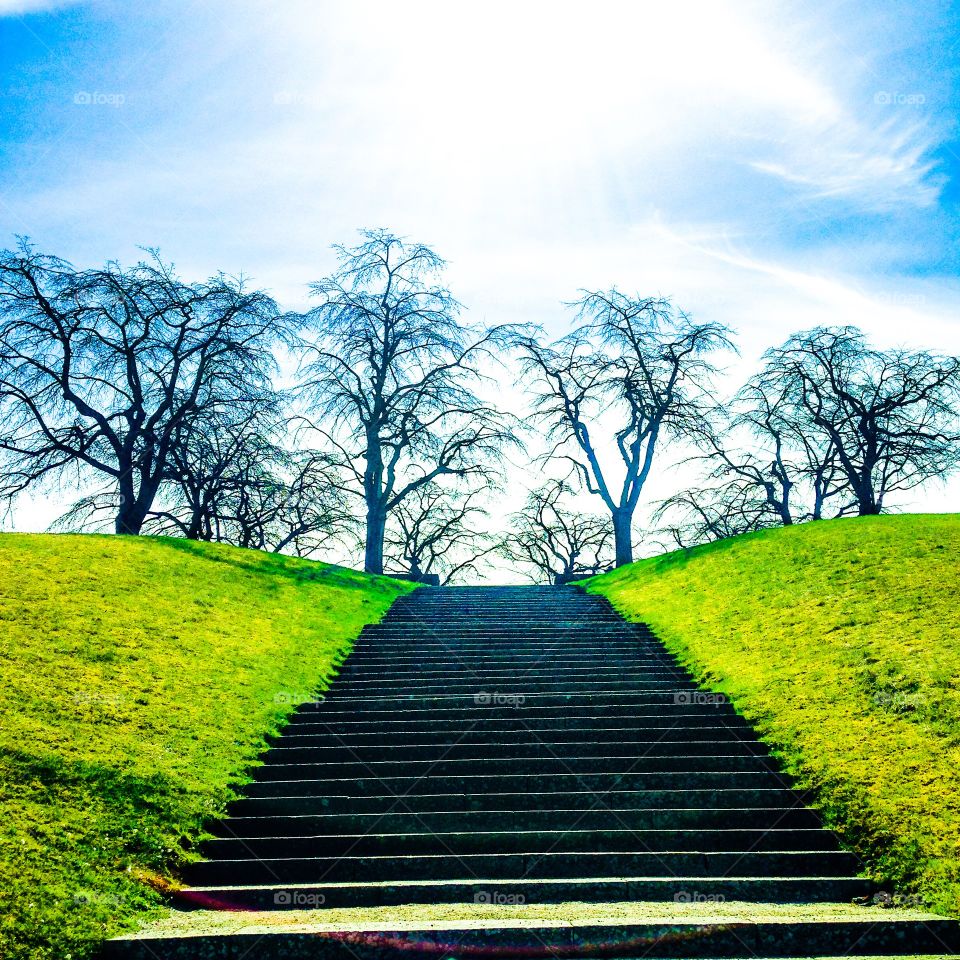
column 230, row 483
column 436, row 531
column 290, row 504
column 100, row 368
column 234, row 480
column 393, row 378
column 887, row 417
column 715, row 512
column 554, row 542
column 637, row 364
column 759, row 454
column 213, row 453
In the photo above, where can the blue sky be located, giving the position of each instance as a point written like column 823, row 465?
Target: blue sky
column 770, row 165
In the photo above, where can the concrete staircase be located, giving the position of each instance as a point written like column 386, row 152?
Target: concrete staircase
column 517, row 760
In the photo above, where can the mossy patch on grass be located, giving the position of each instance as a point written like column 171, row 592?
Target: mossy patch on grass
column 140, row 677
column 840, row 640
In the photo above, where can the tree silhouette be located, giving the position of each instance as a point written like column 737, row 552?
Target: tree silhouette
column 555, row 542
column 391, row 379
column 637, row 364
column 100, row 369
column 439, row 532
column 887, row 417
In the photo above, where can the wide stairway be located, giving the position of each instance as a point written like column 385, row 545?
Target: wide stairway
column 542, row 779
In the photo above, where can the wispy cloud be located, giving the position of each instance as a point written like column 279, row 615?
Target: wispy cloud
column 878, row 169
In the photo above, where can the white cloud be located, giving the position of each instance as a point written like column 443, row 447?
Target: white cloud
column 878, row 170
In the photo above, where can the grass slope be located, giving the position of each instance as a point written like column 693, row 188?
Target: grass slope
column 841, row 641
column 139, row 679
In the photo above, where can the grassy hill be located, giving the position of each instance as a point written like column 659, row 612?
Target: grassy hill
column 139, row 679
column 841, row 641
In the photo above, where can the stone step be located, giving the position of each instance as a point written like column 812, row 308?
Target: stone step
column 539, row 630
column 380, row 665
column 470, row 681
column 411, row 690
column 478, row 785
column 557, row 726
column 536, row 615
column 731, row 818
column 716, row 933
column 359, row 673
column 520, row 706
column 709, row 890
column 493, row 658
column 346, row 737
column 302, row 845
column 292, row 749
column 293, row 764
column 516, row 866
column 484, row 641
column 574, row 798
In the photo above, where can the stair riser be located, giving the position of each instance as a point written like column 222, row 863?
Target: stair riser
column 321, row 752
column 309, row 767
column 531, row 646
column 669, row 819
column 448, row 663
column 470, row 684
column 293, row 804
column 547, row 634
column 366, row 676
column 477, row 688
column 477, row 785
column 572, row 727
column 836, row 939
column 428, row 844
column 766, row 890
column 549, row 866
column 428, row 627
column 488, row 700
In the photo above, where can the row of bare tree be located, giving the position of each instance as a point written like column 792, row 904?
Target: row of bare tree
column 370, row 421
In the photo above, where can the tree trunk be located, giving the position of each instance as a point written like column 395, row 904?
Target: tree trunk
column 195, row 529
column 130, row 518
column 376, row 530
column 623, row 537
column 134, row 506
column 864, row 490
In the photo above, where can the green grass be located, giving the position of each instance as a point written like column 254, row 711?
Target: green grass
column 438, row 916
column 139, row 678
column 840, row 640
